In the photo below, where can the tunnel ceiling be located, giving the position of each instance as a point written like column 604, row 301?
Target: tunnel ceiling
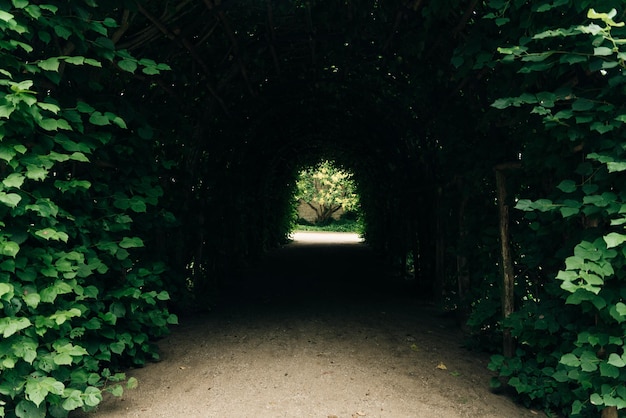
column 277, row 80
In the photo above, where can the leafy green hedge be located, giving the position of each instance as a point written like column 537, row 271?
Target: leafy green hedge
column 571, row 358
column 80, row 294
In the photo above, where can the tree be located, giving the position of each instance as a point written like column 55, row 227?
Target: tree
column 327, row 189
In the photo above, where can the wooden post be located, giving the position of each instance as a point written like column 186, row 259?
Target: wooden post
column 508, row 275
column 440, row 252
column 463, row 277
column 610, row 412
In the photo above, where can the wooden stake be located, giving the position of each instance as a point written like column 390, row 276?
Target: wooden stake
column 508, row 275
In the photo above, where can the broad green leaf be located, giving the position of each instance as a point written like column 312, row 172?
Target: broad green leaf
column 581, row 105
column 62, row 32
column 77, row 60
column 138, row 205
column 117, row 347
column 99, row 119
column 128, row 242
column 85, row 108
column 614, row 239
column 79, row 156
column 617, row 166
column 9, row 248
column 50, row 64
column 128, row 65
column 27, row 409
column 616, row 360
column 34, row 172
column 14, row 180
column 10, row 199
column 132, row 383
column 116, row 390
column 32, row 299
column 6, row 16
column 570, row 360
column 6, row 288
column 567, row 186
column 92, row 396
column 49, row 106
column 608, row 370
column 52, row 234
column 605, row 17
column 73, row 401
column 602, row 51
column 596, row 399
column 9, row 326
column 38, row 388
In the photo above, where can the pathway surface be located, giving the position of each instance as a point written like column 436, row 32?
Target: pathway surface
column 315, row 331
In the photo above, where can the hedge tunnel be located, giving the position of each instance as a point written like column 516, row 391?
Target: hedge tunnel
column 150, row 147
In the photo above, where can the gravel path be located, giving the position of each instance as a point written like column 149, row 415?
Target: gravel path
column 315, row 331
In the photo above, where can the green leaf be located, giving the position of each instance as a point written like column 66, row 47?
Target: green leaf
column 92, row 396
column 616, row 166
column 99, row 119
column 9, row 248
column 38, row 388
column 138, row 205
column 77, row 60
column 602, row 51
column 52, row 234
column 616, row 360
column 132, row 383
column 27, row 409
column 48, row 124
column 117, row 347
column 10, row 199
column 567, row 186
column 14, row 180
column 581, row 105
column 614, row 239
column 128, row 65
column 32, row 299
column 567, row 211
column 5, row 289
column 79, row 156
column 570, row 360
column 608, row 370
column 134, row 242
column 6, row 16
column 50, row 64
column 34, row 172
column 9, row 326
column 73, row 401
column 596, row 399
column 116, row 390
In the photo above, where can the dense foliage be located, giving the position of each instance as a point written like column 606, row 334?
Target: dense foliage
column 81, row 296
column 120, row 120
column 569, row 65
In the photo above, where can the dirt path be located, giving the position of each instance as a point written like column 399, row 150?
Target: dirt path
column 315, row 332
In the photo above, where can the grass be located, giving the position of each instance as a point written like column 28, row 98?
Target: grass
column 342, row 225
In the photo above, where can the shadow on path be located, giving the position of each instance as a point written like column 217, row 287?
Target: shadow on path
column 315, row 268
column 315, row 330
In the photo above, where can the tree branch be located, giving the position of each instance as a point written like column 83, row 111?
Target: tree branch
column 187, row 45
column 233, row 40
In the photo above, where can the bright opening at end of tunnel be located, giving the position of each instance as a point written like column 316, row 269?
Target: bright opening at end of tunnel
column 324, row 237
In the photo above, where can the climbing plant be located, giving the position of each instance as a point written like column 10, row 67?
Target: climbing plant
column 571, row 360
column 80, row 295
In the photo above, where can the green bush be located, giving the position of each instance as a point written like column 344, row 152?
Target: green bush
column 80, row 296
